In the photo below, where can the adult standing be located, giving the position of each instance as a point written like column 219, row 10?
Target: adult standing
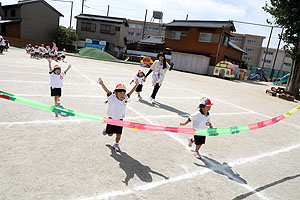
column 159, row 69
column 2, row 44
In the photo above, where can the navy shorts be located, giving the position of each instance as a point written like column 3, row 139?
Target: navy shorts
column 55, row 91
column 139, row 88
column 199, row 139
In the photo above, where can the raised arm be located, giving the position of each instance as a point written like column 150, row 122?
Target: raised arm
column 132, row 90
column 149, row 72
column 103, row 86
column 69, row 67
column 50, row 68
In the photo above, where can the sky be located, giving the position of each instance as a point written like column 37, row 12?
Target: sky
column 238, row 10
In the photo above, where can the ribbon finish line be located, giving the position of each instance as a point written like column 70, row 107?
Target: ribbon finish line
column 148, row 127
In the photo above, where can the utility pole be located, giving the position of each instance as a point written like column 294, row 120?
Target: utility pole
column 262, row 67
column 272, row 72
column 71, row 10
column 107, row 10
column 82, row 5
column 144, row 24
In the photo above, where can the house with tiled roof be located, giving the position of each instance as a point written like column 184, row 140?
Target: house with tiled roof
column 29, row 21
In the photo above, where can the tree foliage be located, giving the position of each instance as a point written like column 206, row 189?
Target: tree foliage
column 286, row 13
column 65, row 36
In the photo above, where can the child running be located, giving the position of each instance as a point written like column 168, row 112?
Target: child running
column 140, row 78
column 56, row 82
column 116, row 109
column 200, row 119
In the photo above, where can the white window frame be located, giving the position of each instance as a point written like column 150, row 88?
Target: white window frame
column 175, row 35
column 205, row 37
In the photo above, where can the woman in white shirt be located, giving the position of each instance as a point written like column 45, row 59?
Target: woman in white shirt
column 159, row 69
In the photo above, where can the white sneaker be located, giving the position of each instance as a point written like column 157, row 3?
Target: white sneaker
column 117, row 147
column 190, row 141
column 197, row 154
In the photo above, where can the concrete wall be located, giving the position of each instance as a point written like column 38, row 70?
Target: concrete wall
column 39, row 22
column 116, row 39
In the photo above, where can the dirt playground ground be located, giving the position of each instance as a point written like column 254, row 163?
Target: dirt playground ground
column 43, row 157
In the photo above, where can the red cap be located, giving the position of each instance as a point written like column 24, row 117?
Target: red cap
column 120, row 87
column 205, row 101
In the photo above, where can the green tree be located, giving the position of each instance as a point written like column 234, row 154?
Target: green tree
column 286, row 13
column 65, row 36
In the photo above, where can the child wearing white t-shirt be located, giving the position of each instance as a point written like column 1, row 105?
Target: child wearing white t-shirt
column 200, row 119
column 116, row 109
column 56, row 81
column 140, row 78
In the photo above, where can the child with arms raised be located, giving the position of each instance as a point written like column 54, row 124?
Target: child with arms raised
column 116, row 109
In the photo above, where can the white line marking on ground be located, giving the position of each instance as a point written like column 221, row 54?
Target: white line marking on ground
column 36, row 122
column 236, row 106
column 41, row 82
column 192, row 175
column 72, row 120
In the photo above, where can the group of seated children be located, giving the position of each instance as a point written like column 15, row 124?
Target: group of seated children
column 45, row 52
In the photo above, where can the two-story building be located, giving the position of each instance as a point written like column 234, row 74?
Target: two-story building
column 208, row 38
column 104, row 28
column 29, row 21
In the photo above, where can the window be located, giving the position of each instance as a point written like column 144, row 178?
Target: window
column 108, row 29
column 224, row 40
column 268, row 52
column 288, row 64
column 249, row 50
column 184, row 33
column 13, row 13
column 5, row 13
column 118, row 28
column 130, row 34
column 287, row 55
column 205, row 37
column 236, row 40
column 85, row 26
column 138, row 34
column 267, row 61
column 251, row 41
column 175, row 35
column 137, row 26
column 246, row 58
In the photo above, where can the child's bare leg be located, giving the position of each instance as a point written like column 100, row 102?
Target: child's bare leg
column 58, row 100
column 118, row 137
column 198, row 147
column 110, row 134
column 139, row 94
column 55, row 100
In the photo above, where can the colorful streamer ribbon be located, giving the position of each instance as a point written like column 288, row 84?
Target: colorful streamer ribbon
column 140, row 126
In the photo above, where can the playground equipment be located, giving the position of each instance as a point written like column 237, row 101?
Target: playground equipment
column 146, row 62
column 259, row 74
column 242, row 74
column 282, row 80
column 224, row 69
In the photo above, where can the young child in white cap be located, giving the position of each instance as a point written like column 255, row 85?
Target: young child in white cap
column 200, row 119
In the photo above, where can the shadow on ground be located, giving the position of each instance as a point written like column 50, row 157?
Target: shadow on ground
column 222, row 169
column 133, row 167
column 243, row 196
column 166, row 107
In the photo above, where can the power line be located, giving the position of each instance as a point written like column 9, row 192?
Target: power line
column 256, row 24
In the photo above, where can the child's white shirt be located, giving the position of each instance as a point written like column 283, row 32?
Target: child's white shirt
column 116, row 107
column 199, row 120
column 56, row 80
column 140, row 80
